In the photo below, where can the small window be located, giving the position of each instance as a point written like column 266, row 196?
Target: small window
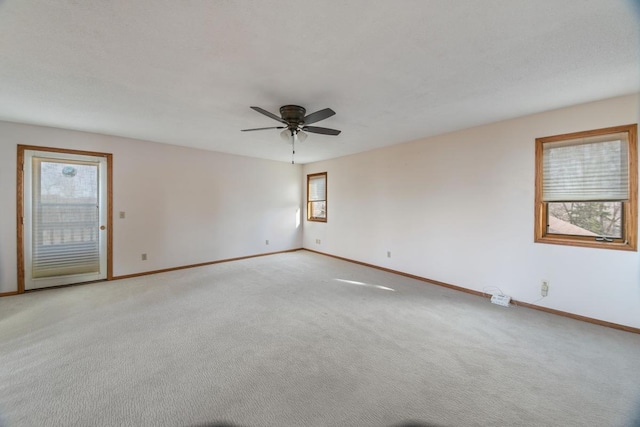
column 587, row 189
column 317, row 197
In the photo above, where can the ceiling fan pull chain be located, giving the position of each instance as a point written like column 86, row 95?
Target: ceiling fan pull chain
column 293, row 147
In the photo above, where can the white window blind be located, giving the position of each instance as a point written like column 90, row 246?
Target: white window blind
column 586, row 169
column 317, row 188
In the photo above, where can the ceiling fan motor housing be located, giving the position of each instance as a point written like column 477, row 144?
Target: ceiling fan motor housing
column 293, row 115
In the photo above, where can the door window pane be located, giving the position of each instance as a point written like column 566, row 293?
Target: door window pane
column 66, row 218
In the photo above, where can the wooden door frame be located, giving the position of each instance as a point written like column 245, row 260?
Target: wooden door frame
column 20, row 204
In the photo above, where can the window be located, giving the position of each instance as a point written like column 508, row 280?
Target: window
column 587, row 188
column 317, row 197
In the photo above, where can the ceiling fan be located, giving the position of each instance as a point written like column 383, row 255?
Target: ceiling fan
column 295, row 123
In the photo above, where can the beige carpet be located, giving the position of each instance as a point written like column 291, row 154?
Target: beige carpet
column 300, row 339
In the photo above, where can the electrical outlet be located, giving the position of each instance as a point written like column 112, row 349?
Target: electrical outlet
column 544, row 288
column 144, row 257
column 317, row 241
column 266, row 242
column 388, row 254
column 122, row 214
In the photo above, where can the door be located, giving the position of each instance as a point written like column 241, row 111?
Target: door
column 64, row 218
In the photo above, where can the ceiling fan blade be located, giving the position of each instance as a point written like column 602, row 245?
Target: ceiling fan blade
column 318, row 115
column 272, row 127
column 324, row 131
column 268, row 114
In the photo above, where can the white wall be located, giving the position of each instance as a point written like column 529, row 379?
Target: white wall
column 183, row 206
column 458, row 208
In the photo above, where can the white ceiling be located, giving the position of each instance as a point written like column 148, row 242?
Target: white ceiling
column 185, row 72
